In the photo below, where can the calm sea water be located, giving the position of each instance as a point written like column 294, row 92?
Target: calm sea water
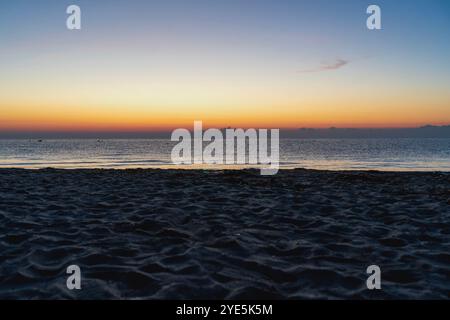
column 333, row 154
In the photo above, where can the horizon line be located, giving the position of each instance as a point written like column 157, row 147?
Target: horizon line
column 286, row 132
column 12, row 131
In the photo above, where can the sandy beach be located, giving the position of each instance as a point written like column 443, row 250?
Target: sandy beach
column 159, row 234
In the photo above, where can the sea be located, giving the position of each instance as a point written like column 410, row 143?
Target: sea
column 387, row 154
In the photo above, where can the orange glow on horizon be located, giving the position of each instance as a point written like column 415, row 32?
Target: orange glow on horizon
column 314, row 111
column 135, row 122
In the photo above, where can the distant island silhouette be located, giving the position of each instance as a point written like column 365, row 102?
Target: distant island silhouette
column 428, row 131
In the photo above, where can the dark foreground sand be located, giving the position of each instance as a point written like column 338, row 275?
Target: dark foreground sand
column 223, row 234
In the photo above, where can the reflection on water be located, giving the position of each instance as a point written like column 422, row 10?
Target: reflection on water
column 330, row 154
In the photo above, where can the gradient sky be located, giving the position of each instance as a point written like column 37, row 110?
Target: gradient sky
column 151, row 65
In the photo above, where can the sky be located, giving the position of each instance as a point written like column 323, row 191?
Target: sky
column 140, row 65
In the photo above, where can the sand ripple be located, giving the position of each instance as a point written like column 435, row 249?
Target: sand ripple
column 223, row 234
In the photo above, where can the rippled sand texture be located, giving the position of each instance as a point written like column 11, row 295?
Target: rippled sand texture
column 223, row 234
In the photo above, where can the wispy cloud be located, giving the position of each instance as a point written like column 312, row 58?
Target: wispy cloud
column 337, row 64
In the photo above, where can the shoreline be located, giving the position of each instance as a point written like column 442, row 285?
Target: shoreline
column 231, row 170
